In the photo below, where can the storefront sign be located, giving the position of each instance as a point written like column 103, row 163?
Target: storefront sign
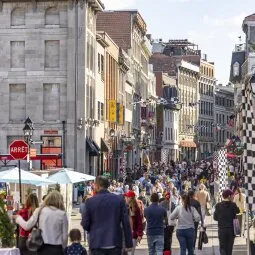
column 50, row 132
column 112, row 111
column 32, row 152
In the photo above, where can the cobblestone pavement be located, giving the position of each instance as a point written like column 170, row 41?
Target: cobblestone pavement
column 209, row 249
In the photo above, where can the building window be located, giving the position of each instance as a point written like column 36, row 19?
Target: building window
column 51, row 145
column 98, row 110
column 52, row 16
column 165, row 133
column 51, row 102
column 52, row 52
column 236, row 69
column 99, row 62
column 102, row 111
column 18, row 17
column 17, row 102
column 17, row 54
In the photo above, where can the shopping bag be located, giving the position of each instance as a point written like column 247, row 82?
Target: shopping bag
column 200, row 241
column 168, row 232
column 237, row 229
column 204, row 237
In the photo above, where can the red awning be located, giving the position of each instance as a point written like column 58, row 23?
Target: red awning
column 37, row 157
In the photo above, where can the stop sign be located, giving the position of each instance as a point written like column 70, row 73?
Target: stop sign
column 19, row 149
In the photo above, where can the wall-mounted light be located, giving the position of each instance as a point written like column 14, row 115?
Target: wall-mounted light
column 80, row 123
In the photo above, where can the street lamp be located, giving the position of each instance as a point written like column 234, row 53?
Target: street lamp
column 28, row 129
column 28, row 133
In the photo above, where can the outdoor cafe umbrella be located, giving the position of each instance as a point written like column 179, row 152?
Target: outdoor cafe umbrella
column 12, row 176
column 69, row 176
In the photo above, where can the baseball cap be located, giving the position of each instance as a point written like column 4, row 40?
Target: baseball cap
column 167, row 194
column 130, row 193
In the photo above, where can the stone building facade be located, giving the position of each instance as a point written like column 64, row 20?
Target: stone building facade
column 223, row 110
column 45, row 75
column 188, row 76
column 206, row 86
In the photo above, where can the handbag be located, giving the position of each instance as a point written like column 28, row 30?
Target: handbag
column 35, row 241
column 236, row 225
column 203, row 239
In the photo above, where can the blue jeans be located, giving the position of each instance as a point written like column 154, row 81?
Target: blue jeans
column 155, row 245
column 186, row 239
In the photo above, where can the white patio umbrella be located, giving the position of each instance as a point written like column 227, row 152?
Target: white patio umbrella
column 69, row 176
column 12, row 176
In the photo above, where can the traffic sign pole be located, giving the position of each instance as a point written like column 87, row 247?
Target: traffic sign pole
column 20, row 195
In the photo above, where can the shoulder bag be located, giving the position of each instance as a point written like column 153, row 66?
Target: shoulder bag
column 35, row 241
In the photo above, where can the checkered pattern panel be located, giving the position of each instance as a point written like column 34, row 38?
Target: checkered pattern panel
column 215, row 164
column 222, row 168
column 164, row 156
column 249, row 144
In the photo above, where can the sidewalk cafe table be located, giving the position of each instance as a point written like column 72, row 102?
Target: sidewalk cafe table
column 9, row 251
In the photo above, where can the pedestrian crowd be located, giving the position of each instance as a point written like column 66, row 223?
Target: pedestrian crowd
column 117, row 214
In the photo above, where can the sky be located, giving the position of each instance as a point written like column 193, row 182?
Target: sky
column 214, row 25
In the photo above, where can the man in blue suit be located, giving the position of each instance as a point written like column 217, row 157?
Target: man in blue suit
column 106, row 219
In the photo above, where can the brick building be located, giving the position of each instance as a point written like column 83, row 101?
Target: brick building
column 128, row 29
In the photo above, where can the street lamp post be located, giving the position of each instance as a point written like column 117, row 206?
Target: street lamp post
column 28, row 133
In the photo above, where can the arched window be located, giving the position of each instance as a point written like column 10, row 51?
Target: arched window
column 18, row 17
column 52, row 16
column 236, row 69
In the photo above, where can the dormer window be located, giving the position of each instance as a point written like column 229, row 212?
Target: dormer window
column 236, row 69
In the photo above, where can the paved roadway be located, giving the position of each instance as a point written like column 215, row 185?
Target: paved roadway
column 212, row 248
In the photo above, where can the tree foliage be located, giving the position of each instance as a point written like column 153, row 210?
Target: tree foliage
column 7, row 229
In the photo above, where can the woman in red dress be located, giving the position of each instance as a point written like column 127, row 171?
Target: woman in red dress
column 30, row 205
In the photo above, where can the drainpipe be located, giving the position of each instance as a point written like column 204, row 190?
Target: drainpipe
column 64, row 144
column 76, row 85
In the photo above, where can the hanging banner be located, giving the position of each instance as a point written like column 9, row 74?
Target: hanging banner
column 112, row 111
column 143, row 112
column 121, row 114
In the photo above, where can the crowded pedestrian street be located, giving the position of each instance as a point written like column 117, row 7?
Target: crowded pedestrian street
column 212, row 248
column 127, row 127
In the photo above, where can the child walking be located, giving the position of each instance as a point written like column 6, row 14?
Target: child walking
column 75, row 248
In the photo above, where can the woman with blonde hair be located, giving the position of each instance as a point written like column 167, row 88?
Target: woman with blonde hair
column 52, row 221
column 30, row 206
column 239, row 199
